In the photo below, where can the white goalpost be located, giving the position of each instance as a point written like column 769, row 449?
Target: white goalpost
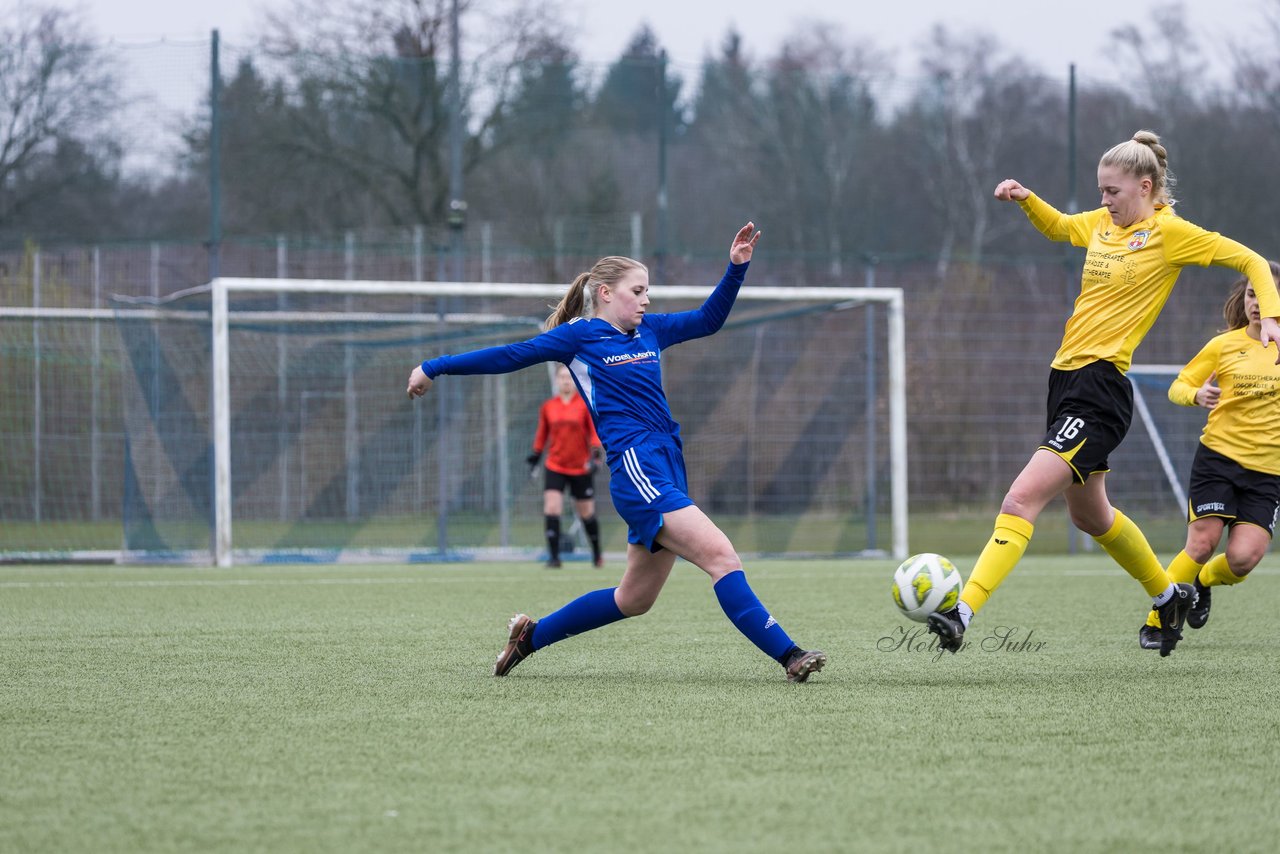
column 779, row 337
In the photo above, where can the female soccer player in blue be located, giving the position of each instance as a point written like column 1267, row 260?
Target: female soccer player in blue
column 601, row 329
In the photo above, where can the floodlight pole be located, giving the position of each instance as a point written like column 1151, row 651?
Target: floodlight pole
column 215, row 160
column 660, row 253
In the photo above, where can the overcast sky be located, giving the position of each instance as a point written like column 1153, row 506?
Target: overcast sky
column 167, row 82
column 1051, row 34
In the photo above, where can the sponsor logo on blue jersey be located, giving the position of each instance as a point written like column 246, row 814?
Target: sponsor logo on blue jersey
column 629, row 357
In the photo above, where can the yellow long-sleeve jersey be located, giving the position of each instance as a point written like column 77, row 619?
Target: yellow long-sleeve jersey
column 1130, row 272
column 1243, row 424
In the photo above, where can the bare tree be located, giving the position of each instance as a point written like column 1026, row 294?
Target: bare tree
column 57, row 92
column 971, row 113
column 1166, row 62
column 1256, row 68
column 370, row 95
column 815, row 121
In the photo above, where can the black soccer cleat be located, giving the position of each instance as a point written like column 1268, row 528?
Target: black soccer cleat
column 519, row 644
column 802, row 663
column 1149, row 637
column 1173, row 614
column 1199, row 613
column 949, row 628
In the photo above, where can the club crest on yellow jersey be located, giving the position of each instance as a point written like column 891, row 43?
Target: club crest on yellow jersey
column 1139, row 239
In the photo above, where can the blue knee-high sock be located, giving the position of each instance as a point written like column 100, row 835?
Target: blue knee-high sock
column 745, row 611
column 589, row 611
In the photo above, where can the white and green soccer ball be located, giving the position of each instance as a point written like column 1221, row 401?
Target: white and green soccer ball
column 925, row 583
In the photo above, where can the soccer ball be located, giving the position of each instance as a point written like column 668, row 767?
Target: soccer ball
column 926, row 583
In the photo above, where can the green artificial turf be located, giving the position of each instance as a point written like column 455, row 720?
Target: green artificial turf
column 352, row 708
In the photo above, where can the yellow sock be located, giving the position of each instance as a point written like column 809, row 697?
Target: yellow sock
column 1182, row 570
column 1217, row 572
column 1129, row 548
column 998, row 558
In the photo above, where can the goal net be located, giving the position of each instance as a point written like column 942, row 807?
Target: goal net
column 266, row 420
column 1171, row 434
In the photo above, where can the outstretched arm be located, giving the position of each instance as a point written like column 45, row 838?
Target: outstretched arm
column 711, row 315
column 555, row 345
column 1226, row 252
column 1051, row 222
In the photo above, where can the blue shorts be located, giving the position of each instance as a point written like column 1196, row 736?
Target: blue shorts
column 647, row 480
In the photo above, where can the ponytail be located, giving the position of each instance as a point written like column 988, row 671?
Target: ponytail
column 571, row 304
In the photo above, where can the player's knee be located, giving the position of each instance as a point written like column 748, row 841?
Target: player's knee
column 721, row 562
column 634, row 606
column 1200, row 549
column 1241, row 561
column 1014, row 504
column 1023, row 503
column 1091, row 523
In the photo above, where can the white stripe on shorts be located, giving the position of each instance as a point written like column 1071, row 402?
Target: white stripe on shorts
column 638, row 478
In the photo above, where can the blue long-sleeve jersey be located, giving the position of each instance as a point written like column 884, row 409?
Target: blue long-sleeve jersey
column 619, row 374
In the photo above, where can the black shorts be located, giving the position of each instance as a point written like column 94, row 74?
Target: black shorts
column 1222, row 487
column 581, row 486
column 1090, row 410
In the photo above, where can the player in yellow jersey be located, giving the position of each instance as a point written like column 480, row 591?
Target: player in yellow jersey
column 1235, row 478
column 1136, row 247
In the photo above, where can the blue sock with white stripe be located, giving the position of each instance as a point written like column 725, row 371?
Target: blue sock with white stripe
column 745, row 611
column 589, row 611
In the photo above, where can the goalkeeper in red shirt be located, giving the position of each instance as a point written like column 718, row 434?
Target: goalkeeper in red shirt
column 574, row 451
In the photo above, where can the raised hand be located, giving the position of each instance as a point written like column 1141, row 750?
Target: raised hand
column 1010, row 190
column 744, row 243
